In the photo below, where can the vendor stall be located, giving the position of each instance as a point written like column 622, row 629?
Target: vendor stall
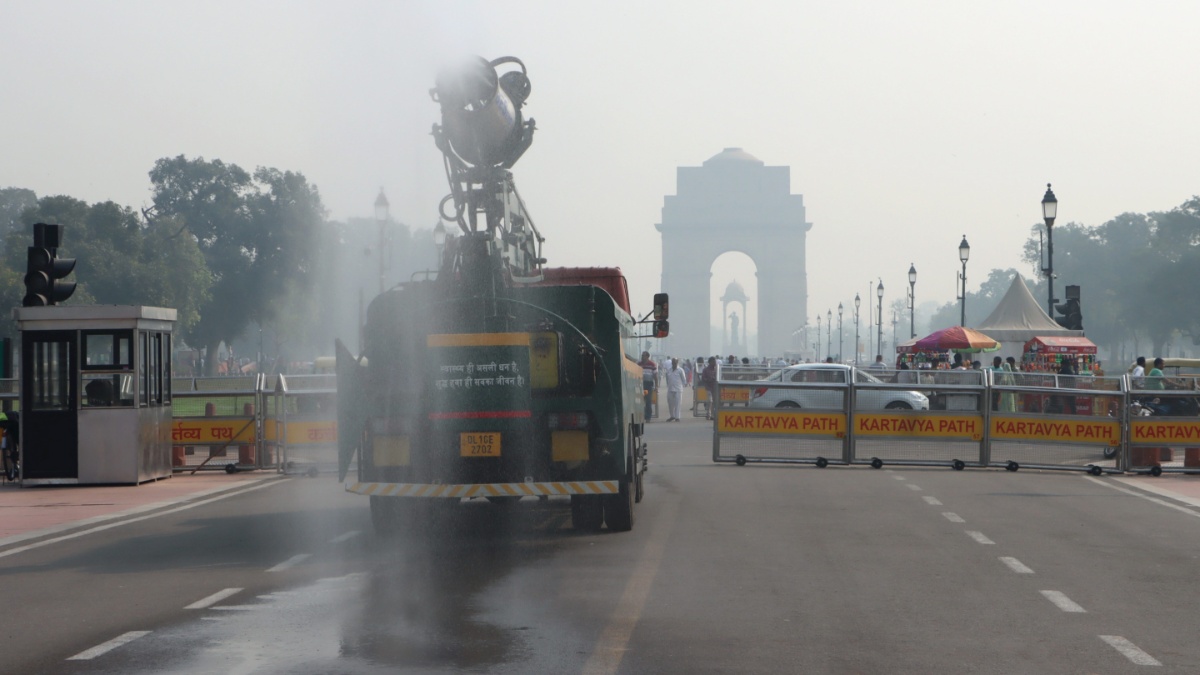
column 1045, row 354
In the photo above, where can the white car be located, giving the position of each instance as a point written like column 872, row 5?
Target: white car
column 830, row 399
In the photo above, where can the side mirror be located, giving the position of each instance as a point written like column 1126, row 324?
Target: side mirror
column 662, row 329
column 661, row 307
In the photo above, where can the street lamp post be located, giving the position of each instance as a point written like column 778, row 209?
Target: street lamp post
column 964, row 252
column 857, row 303
column 829, row 333
column 818, row 337
column 1049, row 213
column 879, row 294
column 381, row 216
column 912, row 301
column 894, row 343
column 841, row 348
column 439, row 240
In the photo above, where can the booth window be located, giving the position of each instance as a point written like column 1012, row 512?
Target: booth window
column 106, row 374
column 51, row 375
column 107, row 350
column 155, row 364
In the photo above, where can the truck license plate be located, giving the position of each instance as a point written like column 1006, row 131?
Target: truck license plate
column 479, row 444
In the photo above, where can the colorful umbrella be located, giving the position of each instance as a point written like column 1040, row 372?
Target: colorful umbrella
column 956, row 338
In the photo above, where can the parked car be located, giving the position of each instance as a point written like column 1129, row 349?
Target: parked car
column 831, row 399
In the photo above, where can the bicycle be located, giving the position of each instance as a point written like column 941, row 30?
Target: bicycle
column 10, row 450
column 12, row 463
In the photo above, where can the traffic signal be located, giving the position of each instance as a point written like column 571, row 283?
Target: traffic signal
column 1072, row 317
column 45, row 270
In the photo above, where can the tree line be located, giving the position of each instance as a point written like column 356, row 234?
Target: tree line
column 231, row 250
column 1136, row 274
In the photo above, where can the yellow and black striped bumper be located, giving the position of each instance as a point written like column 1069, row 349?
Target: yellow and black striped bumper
column 595, row 487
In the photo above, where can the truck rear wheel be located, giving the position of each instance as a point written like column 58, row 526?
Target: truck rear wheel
column 618, row 508
column 386, row 516
column 587, row 512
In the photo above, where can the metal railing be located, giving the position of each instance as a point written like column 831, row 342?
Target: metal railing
column 213, row 416
column 828, row 413
column 301, row 432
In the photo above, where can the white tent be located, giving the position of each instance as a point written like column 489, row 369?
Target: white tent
column 1018, row 319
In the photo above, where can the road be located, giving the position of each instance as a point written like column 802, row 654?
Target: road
column 756, row 569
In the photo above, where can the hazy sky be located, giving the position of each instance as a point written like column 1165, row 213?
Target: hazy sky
column 906, row 124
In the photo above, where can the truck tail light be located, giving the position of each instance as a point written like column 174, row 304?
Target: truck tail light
column 562, row 421
column 759, row 391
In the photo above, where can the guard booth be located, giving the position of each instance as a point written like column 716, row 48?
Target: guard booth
column 95, row 394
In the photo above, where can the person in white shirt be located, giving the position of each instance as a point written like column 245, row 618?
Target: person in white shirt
column 1139, row 373
column 879, row 364
column 676, row 380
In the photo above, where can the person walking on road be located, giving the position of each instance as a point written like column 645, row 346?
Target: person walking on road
column 649, row 382
column 708, row 379
column 676, row 380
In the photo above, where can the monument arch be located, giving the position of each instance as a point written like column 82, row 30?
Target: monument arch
column 734, row 202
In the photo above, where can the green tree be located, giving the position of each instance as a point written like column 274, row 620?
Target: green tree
column 121, row 259
column 257, row 234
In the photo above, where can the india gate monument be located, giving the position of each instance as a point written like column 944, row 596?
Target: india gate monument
column 734, row 203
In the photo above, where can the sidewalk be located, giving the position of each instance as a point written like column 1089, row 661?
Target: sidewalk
column 1178, row 486
column 31, row 512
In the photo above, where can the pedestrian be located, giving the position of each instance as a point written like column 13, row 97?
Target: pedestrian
column 696, row 386
column 1008, row 400
column 708, row 379
column 649, row 382
column 1139, row 373
column 1012, row 364
column 676, row 380
column 1066, row 380
column 879, row 364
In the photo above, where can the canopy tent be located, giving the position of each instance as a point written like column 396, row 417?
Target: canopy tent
column 1018, row 319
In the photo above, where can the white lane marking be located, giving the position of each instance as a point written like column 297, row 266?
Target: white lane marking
column 109, row 526
column 914, row 487
column 344, row 537
column 1177, row 507
column 610, row 648
column 1016, row 565
column 978, row 536
column 291, row 562
column 213, row 599
column 126, row 638
column 953, row 517
column 899, row 477
column 1130, row 650
column 236, row 608
column 1064, row 603
column 932, row 501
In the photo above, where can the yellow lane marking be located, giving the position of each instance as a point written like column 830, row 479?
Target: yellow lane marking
column 614, row 641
